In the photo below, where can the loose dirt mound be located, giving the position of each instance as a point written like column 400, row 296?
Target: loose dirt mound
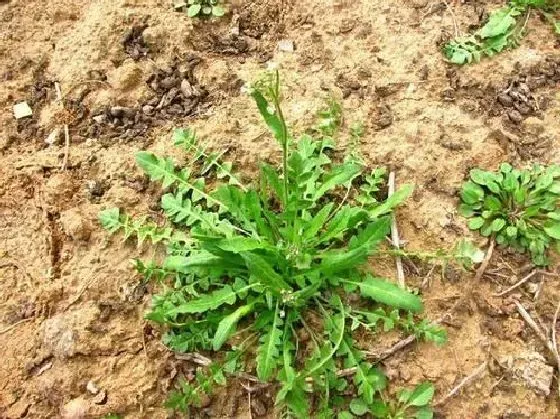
column 71, row 310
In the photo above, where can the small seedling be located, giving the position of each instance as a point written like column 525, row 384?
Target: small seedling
column 259, row 265
column 520, row 208
column 203, row 8
column 503, row 30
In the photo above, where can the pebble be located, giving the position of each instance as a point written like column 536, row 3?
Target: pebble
column 92, row 388
column 515, row 116
column 286, row 45
column 100, row 119
column 186, row 88
column 505, row 100
column 168, row 82
column 74, row 225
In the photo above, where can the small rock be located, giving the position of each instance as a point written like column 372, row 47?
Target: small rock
column 515, row 116
column 384, row 120
column 186, row 88
column 53, row 136
column 532, row 287
column 22, row 110
column 75, row 409
column 286, row 45
column 531, row 368
column 148, row 110
column 258, row 407
column 74, row 225
column 125, row 77
column 204, row 400
column 533, row 126
column 168, row 82
column 386, row 90
column 122, row 111
column 92, row 388
column 101, row 398
column 100, row 119
column 505, row 100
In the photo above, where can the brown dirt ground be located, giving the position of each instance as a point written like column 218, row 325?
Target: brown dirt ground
column 70, row 307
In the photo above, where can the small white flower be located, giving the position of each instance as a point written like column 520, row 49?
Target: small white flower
column 246, row 89
column 271, row 66
column 270, row 109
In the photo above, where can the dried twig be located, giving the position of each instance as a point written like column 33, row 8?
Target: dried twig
column 66, row 131
column 401, row 344
column 464, row 382
column 66, row 147
column 554, row 343
column 193, row 357
column 12, row 326
column 485, row 262
column 517, row 284
column 538, row 331
column 395, row 234
column 453, row 18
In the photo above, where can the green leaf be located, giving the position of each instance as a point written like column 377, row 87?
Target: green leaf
column 207, row 302
column 339, row 175
column 498, row 224
column 340, row 260
column 193, row 10
column 345, row 415
column 388, row 293
column 476, row 223
column 272, row 120
column 391, row 202
column 552, row 228
column 265, row 273
column 240, row 244
column 472, row 193
column 268, row 351
column 185, row 263
column 318, row 222
column 358, row 407
column 499, row 22
column 274, row 181
column 160, row 169
column 110, row 219
column 218, row 11
column 479, row 176
column 228, row 324
column 424, row 413
column 421, row 395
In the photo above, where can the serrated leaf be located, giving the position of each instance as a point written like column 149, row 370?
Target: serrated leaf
column 207, row 302
column 161, row 169
column 318, row 222
column 339, row 175
column 358, row 407
column 110, row 219
column 228, row 324
column 388, row 205
column 268, row 351
column 271, row 119
column 388, row 293
column 240, row 244
column 264, row 272
column 184, row 264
